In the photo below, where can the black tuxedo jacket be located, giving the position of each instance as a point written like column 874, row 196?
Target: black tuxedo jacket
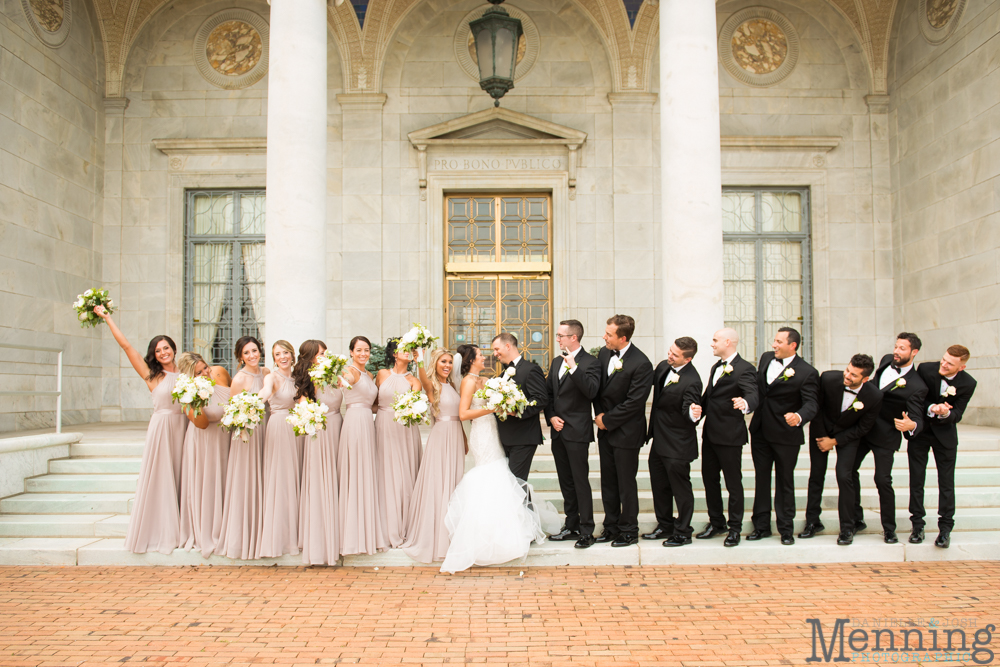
column 622, row 398
column 725, row 425
column 945, row 430
column 847, row 427
column 796, row 394
column 670, row 427
column 526, row 429
column 896, row 401
column 571, row 398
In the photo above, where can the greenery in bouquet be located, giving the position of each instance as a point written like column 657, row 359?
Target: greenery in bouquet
column 193, row 393
column 329, row 370
column 86, row 302
column 243, row 413
column 503, row 395
column 417, row 338
column 411, row 408
column 308, row 418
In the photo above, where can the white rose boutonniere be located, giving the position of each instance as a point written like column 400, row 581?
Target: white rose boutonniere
column 901, row 382
column 673, row 379
column 616, row 365
column 857, row 406
column 950, row 391
column 788, row 374
column 727, row 369
column 509, row 373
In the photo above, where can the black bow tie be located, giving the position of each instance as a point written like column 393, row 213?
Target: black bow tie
column 894, row 367
column 851, row 391
column 616, row 353
column 510, row 365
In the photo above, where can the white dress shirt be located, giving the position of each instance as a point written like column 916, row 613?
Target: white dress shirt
column 944, row 399
column 890, row 375
column 850, row 395
column 621, row 353
column 676, row 372
column 718, row 371
column 564, row 368
column 777, row 367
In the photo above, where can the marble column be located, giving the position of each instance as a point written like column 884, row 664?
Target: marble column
column 295, row 296
column 691, row 173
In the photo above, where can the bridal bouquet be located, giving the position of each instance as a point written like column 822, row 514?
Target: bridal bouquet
column 419, row 337
column 327, row 371
column 411, row 408
column 243, row 413
column 192, row 393
column 308, row 418
column 503, row 394
column 86, row 302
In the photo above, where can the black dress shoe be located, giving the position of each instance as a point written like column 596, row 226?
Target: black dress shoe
column 624, row 540
column 565, row 535
column 732, row 539
column 605, row 537
column 943, row 540
column 917, row 536
column 657, row 534
column 677, row 540
column 845, row 539
column 758, row 534
column 585, row 542
column 859, row 526
column 710, row 531
column 889, row 537
column 811, row 530
column 787, row 539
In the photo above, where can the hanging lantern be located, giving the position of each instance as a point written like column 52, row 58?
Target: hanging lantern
column 496, row 35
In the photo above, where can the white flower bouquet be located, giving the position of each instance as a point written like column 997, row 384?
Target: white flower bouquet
column 503, row 395
column 327, row 372
column 411, row 408
column 419, row 337
column 192, row 393
column 308, row 418
column 86, row 302
column 243, row 413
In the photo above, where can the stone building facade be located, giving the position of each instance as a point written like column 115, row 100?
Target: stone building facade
column 871, row 125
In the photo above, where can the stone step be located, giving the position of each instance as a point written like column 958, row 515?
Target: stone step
column 52, row 525
column 82, row 483
column 110, row 464
column 67, row 503
column 90, row 449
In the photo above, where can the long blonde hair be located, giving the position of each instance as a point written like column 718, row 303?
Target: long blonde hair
column 188, row 361
column 435, row 380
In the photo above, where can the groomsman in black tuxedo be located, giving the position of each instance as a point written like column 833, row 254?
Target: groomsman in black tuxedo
column 731, row 394
column 520, row 436
column 848, row 408
column 620, row 409
column 787, row 387
column 573, row 381
column 901, row 416
column 949, row 389
column 676, row 387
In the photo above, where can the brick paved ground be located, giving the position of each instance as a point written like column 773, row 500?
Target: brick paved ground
column 752, row 615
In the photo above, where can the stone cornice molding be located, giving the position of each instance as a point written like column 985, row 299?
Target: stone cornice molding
column 227, row 146
column 633, row 100
column 780, row 143
column 362, row 101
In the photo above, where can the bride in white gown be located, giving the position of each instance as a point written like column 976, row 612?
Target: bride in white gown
column 489, row 519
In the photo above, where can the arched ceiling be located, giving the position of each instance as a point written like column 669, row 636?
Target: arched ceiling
column 363, row 48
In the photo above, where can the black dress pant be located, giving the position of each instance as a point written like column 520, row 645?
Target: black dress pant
column 619, row 489
column 573, row 468
column 670, row 480
column 883, row 482
column 944, row 458
column 781, row 459
column 728, row 460
column 818, row 461
column 519, row 459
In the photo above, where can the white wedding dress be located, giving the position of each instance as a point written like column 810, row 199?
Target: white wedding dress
column 488, row 516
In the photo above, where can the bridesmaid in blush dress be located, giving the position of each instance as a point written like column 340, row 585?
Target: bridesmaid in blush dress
column 203, row 467
column 319, row 527
column 398, row 447
column 441, row 469
column 154, row 524
column 279, row 533
column 241, row 505
column 362, row 524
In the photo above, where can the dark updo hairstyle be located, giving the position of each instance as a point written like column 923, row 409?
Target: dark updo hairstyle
column 391, row 346
column 468, row 353
column 241, row 343
column 354, row 341
column 300, row 373
column 154, row 365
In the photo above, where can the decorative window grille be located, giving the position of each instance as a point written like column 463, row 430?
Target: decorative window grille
column 223, row 272
column 766, row 259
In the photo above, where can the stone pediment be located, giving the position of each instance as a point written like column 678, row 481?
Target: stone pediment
column 497, row 126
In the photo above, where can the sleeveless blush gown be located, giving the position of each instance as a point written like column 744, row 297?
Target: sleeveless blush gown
column 279, row 533
column 319, row 523
column 398, row 450
column 154, row 524
column 440, row 472
column 203, row 481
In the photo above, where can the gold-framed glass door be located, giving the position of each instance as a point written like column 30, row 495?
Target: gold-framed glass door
column 498, row 271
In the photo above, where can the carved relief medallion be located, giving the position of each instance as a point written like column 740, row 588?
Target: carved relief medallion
column 938, row 18
column 230, row 48
column 49, row 19
column 758, row 46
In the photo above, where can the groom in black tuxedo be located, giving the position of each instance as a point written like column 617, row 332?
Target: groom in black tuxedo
column 573, row 381
column 520, row 436
column 620, row 409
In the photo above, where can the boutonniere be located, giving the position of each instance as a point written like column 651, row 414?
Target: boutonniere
column 509, row 373
column 727, row 369
column 788, row 374
column 950, row 391
column 673, row 379
column 616, row 365
column 856, row 406
column 901, row 382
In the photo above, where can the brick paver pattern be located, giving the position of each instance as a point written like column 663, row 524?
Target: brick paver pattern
column 681, row 615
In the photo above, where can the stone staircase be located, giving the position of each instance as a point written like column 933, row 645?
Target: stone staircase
column 77, row 513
